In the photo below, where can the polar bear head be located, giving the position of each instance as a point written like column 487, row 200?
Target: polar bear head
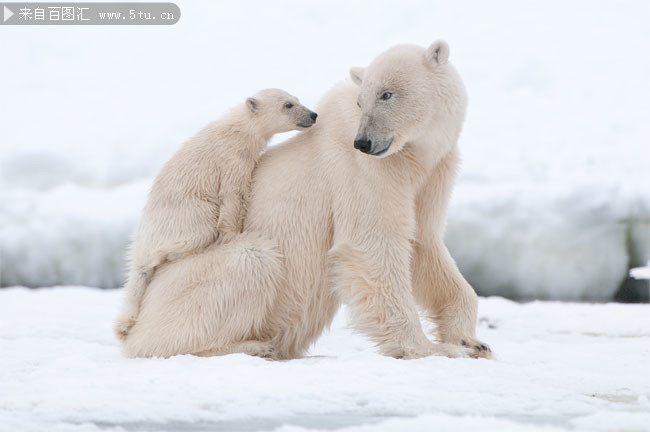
column 408, row 94
column 274, row 111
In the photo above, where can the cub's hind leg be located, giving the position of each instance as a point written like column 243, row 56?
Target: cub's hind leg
column 134, row 291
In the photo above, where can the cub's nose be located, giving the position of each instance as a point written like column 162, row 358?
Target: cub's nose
column 363, row 144
column 313, row 116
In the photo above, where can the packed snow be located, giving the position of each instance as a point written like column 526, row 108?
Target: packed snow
column 553, row 198
column 62, row 370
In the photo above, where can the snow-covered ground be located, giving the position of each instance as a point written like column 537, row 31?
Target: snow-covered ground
column 553, row 199
column 61, row 370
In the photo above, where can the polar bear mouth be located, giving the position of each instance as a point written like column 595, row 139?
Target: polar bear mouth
column 304, row 125
column 381, row 152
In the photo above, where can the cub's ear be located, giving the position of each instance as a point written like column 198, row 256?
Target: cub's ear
column 437, row 53
column 252, row 104
column 356, row 73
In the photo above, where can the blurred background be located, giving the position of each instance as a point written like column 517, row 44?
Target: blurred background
column 553, row 198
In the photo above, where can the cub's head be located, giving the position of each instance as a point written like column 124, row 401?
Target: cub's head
column 404, row 94
column 276, row 111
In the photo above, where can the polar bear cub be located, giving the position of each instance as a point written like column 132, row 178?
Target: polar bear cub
column 200, row 195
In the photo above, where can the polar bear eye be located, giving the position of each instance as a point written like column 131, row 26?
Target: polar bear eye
column 386, row 95
column 288, row 105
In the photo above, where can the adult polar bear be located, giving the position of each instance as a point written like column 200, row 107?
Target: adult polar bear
column 328, row 223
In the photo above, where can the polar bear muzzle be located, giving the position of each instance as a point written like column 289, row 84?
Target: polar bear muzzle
column 308, row 119
column 374, row 147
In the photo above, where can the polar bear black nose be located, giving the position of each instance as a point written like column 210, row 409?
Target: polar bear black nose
column 363, row 144
column 313, row 116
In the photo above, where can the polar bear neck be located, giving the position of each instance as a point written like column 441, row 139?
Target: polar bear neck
column 435, row 145
column 239, row 125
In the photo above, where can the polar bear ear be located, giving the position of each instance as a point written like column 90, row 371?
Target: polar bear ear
column 437, row 53
column 356, row 73
column 252, row 104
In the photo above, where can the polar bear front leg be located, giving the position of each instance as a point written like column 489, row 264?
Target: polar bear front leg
column 382, row 305
column 440, row 288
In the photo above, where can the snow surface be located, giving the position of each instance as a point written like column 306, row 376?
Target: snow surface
column 558, row 366
column 553, row 199
column 641, row 272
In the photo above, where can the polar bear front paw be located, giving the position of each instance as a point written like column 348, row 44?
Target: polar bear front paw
column 259, row 349
column 479, row 349
column 440, row 349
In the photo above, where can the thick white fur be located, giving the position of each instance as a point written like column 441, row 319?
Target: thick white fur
column 199, row 196
column 331, row 224
column 215, row 318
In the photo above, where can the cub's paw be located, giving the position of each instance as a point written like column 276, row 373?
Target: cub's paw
column 123, row 326
column 227, row 235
